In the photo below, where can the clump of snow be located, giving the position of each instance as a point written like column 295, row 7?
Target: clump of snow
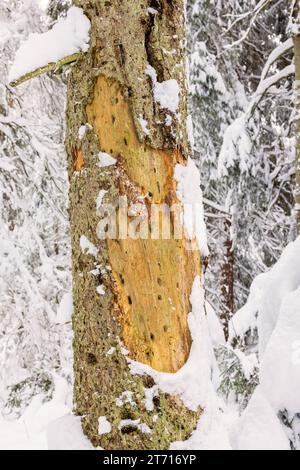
column 150, row 394
column 168, row 120
column 65, row 309
column 166, row 93
column 151, row 72
column 152, row 11
column 144, row 125
column 111, row 351
column 88, row 247
column 67, row 36
column 236, row 145
column 82, row 130
column 190, row 194
column 104, row 426
column 106, row 160
column 100, row 197
column 101, row 290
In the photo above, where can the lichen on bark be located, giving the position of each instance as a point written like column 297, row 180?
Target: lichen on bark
column 109, row 89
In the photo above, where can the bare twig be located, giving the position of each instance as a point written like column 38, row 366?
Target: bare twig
column 53, row 66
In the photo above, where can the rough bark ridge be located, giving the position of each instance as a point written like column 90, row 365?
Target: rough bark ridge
column 147, row 282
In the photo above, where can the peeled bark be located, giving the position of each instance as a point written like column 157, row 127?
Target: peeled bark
column 147, row 282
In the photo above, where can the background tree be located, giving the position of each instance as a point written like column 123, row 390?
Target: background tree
column 35, row 255
column 244, row 144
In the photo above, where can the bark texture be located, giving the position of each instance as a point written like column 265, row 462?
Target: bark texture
column 227, row 280
column 147, row 282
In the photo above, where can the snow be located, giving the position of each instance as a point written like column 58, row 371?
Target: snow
column 151, row 72
column 273, row 306
column 100, row 197
column 190, row 130
column 104, row 426
column 67, row 36
column 198, row 373
column 66, row 433
column 200, row 358
column 106, row 160
column 144, row 125
column 101, row 290
column 150, row 394
column 280, row 369
column 152, row 11
column 259, row 428
column 166, row 93
column 190, row 194
column 45, row 426
column 82, row 130
column 237, row 144
column 65, row 309
column 168, row 120
column 88, row 247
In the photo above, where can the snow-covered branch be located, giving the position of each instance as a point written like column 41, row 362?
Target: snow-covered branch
column 52, row 67
column 256, row 12
column 45, row 52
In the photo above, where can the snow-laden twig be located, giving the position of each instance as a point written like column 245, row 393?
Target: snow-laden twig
column 53, row 66
column 256, row 12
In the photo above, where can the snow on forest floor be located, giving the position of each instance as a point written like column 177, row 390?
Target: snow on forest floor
column 273, row 308
column 51, row 426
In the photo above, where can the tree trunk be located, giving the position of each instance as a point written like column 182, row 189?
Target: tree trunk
column 297, row 98
column 227, row 280
column 143, row 302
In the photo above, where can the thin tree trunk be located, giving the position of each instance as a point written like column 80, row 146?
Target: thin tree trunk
column 227, row 280
column 147, row 283
column 297, row 98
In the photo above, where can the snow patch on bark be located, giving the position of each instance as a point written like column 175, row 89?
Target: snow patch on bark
column 190, row 194
column 106, row 160
column 88, row 247
column 104, row 426
column 166, row 93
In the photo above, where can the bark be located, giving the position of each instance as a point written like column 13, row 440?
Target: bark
column 147, row 282
column 227, row 280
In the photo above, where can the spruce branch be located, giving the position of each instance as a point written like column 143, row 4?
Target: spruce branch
column 52, row 66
